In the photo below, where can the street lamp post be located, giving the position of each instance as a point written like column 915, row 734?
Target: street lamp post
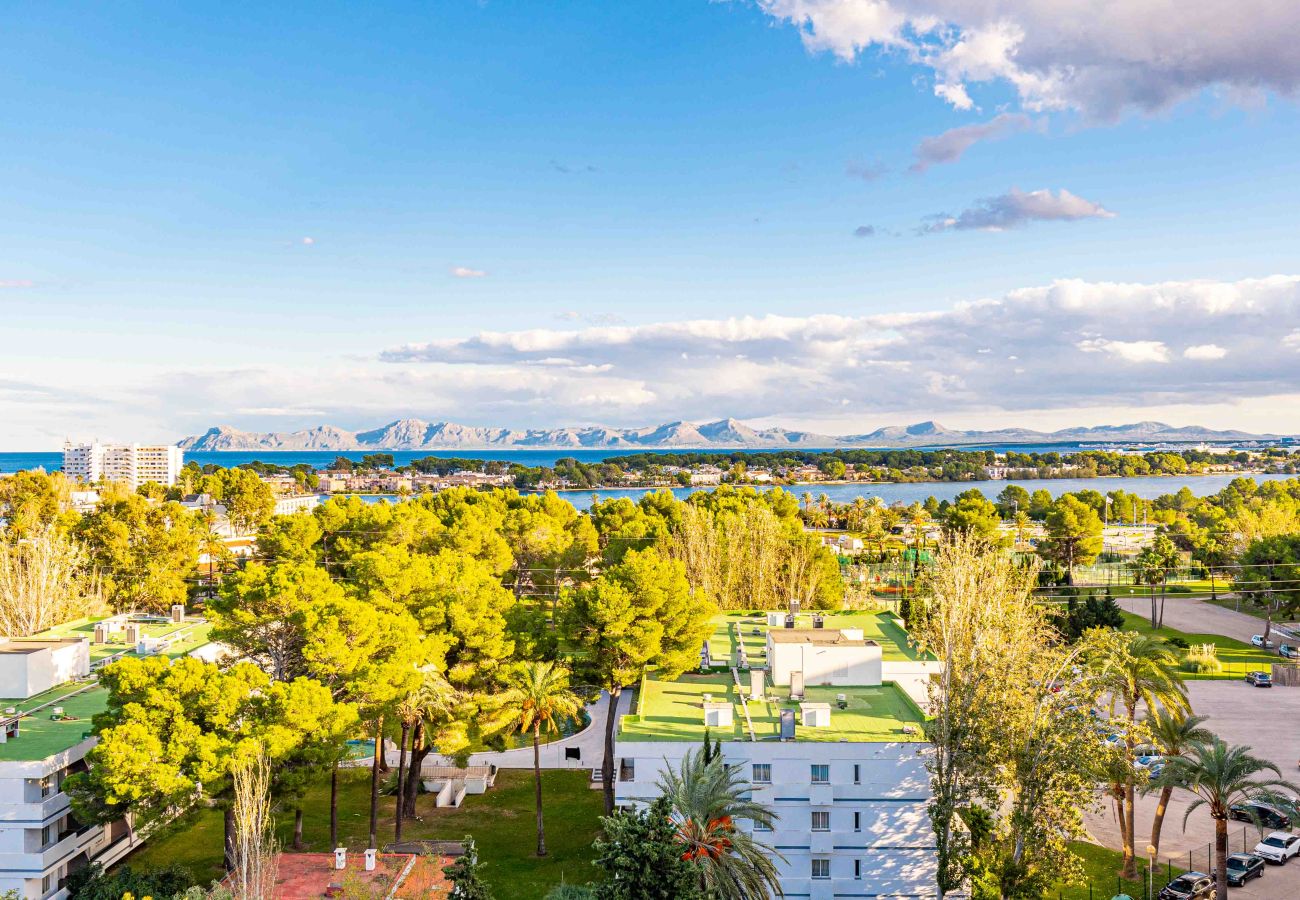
column 1151, row 870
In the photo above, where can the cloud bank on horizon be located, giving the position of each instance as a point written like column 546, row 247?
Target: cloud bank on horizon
column 1066, row 353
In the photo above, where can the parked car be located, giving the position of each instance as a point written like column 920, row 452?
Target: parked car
column 1242, row 867
column 1290, row 651
column 1190, row 886
column 1258, row 641
column 1278, row 847
column 1259, row 679
column 1153, row 763
column 1262, row 813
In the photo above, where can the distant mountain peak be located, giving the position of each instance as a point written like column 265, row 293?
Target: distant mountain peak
column 722, row 434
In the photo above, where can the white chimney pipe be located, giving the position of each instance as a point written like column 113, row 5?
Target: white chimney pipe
column 340, row 857
column 370, row 859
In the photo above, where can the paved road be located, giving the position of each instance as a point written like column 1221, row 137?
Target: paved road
column 1263, row 719
column 1196, row 617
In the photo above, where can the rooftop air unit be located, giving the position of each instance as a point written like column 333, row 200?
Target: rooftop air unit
column 178, row 613
column 789, row 621
column 818, row 621
column 796, row 684
column 794, row 606
column 756, row 683
column 787, row 724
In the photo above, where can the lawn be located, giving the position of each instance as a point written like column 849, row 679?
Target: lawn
column 501, row 822
column 1237, row 657
column 882, row 627
column 1100, row 867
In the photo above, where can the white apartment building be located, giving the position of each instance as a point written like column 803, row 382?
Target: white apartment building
column 45, row 734
column 836, row 753
column 129, row 464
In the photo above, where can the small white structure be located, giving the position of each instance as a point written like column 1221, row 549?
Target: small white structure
column 816, row 715
column 340, row 858
column 370, row 859
column 775, row 619
column 28, row 668
column 718, row 714
column 825, row 657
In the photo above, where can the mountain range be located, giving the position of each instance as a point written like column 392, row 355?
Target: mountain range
column 416, row 434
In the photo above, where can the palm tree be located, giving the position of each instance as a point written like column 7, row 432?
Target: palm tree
column 1173, row 734
column 1135, row 670
column 1221, row 775
column 541, row 690
column 706, row 800
column 434, row 707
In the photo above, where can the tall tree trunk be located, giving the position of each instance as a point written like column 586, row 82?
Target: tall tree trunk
column 1221, row 857
column 537, row 787
column 419, row 750
column 297, row 828
column 228, row 822
column 400, row 797
column 334, row 806
column 1162, row 604
column 607, row 767
column 1152, row 591
column 1162, row 805
column 374, row 783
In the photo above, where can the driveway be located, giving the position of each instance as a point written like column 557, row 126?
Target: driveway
column 1195, row 617
column 1264, row 720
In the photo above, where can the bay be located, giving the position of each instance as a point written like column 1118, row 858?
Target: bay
column 1147, row 487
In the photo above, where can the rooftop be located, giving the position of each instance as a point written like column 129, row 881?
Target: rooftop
column 307, row 876
column 750, row 628
column 674, row 711
column 40, row 735
column 815, row 636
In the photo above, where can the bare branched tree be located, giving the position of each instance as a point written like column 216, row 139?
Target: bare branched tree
column 45, row 579
column 253, row 877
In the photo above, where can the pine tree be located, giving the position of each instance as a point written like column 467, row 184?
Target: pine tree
column 464, row 875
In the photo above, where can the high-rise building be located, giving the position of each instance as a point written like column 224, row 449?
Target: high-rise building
column 130, row 464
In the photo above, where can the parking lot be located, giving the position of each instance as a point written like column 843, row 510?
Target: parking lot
column 1268, row 721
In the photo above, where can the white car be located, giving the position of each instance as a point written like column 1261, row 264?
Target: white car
column 1258, row 641
column 1278, row 847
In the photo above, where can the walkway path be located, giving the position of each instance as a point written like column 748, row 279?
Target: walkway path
column 1196, row 616
column 590, row 743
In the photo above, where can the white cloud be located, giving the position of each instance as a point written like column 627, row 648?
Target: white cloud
column 15, row 283
column 465, row 272
column 1069, row 351
column 1099, row 59
column 308, row 241
column 1017, row 208
column 949, row 146
column 954, row 94
column 1205, row 352
column 1128, row 351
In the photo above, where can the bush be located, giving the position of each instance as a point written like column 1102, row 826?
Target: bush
column 1179, row 643
column 570, row 892
column 1202, row 663
column 1178, row 589
column 92, row 883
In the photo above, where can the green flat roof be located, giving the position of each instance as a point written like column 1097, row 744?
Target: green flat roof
column 39, row 736
column 673, row 711
column 881, row 627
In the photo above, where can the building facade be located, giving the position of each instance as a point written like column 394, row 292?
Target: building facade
column 129, row 464
column 828, row 742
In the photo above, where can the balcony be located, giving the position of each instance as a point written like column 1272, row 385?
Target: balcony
column 39, row 809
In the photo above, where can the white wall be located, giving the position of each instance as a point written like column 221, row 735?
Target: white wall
column 837, row 665
column 893, row 844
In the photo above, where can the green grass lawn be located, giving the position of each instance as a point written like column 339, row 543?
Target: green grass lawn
column 501, row 822
column 1237, row 657
column 1100, row 867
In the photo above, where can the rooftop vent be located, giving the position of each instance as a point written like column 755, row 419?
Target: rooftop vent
column 794, row 606
column 757, row 684
column 796, row 685
column 340, row 857
column 818, row 621
column 718, row 715
column 816, row 715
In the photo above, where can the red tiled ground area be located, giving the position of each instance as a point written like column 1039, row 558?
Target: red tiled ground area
column 307, row 876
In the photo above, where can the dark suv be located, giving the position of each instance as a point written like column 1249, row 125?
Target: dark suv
column 1244, row 866
column 1190, row 886
column 1265, row 815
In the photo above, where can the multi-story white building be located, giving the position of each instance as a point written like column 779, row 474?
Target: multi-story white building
column 45, row 734
column 841, row 765
column 130, row 464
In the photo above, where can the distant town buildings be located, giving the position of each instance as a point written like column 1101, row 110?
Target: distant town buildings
column 129, row 464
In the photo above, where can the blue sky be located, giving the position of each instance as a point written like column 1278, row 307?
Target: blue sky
column 231, row 217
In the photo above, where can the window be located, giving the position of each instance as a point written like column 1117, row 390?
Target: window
column 857, row 868
column 627, row 770
column 761, row 826
column 821, row 821
column 821, row 774
column 857, row 774
column 821, row 868
column 46, row 833
column 45, row 885
column 857, row 821
column 762, row 773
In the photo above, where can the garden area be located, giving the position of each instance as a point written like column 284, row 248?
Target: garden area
column 1235, row 658
column 501, row 822
column 1100, row 881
